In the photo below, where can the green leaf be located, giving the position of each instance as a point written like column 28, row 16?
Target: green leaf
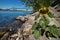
column 46, row 20
column 34, row 26
column 53, row 29
column 51, row 15
column 47, row 3
column 42, row 24
column 37, row 16
column 37, row 34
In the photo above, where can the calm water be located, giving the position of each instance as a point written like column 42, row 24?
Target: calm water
column 7, row 17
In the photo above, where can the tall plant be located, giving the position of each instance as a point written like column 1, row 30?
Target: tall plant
column 42, row 27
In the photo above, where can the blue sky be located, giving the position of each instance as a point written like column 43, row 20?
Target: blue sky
column 11, row 3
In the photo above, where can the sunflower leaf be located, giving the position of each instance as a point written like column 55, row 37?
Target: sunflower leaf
column 37, row 34
column 42, row 24
column 37, row 16
column 53, row 29
column 51, row 15
column 46, row 21
column 34, row 26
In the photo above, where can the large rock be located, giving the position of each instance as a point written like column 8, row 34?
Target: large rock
column 21, row 18
column 31, row 20
column 27, row 26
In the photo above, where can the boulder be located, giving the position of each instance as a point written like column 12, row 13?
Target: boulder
column 31, row 20
column 21, row 18
column 27, row 30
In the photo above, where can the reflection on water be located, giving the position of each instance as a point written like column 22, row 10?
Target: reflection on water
column 7, row 17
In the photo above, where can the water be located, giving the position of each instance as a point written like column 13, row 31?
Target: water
column 7, row 17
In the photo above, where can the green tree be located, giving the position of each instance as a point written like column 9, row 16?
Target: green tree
column 37, row 4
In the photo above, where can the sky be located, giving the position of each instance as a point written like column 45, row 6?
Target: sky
column 11, row 3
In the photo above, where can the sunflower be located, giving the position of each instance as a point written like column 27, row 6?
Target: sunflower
column 44, row 10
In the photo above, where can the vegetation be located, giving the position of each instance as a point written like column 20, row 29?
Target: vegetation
column 37, row 4
column 42, row 27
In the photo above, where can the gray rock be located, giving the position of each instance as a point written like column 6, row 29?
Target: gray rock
column 21, row 18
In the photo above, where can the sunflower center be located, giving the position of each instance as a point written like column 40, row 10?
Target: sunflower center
column 44, row 10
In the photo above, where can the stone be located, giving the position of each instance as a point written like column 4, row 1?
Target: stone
column 31, row 20
column 14, row 35
column 21, row 18
column 27, row 30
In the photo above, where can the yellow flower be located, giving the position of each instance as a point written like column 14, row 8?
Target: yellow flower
column 44, row 10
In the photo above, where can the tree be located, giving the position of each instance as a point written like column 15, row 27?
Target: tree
column 37, row 4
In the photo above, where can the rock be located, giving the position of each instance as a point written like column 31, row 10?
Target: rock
column 16, row 22
column 34, row 13
column 21, row 18
column 30, row 19
column 27, row 30
column 5, row 37
column 14, row 35
column 31, row 37
column 54, row 38
column 27, row 26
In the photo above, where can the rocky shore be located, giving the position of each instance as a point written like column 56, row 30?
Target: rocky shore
column 25, row 24
column 24, row 31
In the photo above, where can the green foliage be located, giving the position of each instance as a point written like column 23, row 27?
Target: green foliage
column 44, row 22
column 34, row 26
column 37, row 16
column 34, row 3
column 37, row 34
column 51, row 15
column 49, row 31
column 47, row 3
column 37, row 3
column 53, row 29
